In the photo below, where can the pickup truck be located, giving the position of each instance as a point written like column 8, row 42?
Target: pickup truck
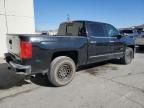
column 132, row 32
column 77, row 43
column 140, row 39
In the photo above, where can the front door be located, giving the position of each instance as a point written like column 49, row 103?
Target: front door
column 116, row 44
column 98, row 42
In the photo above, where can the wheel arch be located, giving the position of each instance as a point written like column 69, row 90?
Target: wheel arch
column 72, row 54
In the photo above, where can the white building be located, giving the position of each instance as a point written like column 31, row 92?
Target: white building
column 16, row 17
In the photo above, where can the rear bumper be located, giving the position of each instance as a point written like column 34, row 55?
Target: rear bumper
column 17, row 67
column 28, row 67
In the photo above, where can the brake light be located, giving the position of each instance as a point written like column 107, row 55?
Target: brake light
column 26, row 50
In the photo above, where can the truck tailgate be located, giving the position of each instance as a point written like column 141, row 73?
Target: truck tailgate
column 13, row 44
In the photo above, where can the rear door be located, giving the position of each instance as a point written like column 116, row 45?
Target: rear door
column 116, row 44
column 98, row 42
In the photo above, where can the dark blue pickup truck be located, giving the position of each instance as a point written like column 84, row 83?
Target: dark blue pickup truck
column 77, row 43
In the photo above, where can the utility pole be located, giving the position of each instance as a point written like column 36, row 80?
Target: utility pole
column 68, row 18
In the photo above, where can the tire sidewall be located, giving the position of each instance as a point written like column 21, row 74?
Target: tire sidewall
column 55, row 65
column 128, row 60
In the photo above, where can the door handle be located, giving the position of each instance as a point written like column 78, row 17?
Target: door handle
column 112, row 41
column 93, row 42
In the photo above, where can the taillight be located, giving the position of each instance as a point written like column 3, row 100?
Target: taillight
column 26, row 50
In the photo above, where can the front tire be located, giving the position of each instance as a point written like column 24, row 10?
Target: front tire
column 128, row 56
column 62, row 71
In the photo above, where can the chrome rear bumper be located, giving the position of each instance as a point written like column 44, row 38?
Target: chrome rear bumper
column 15, row 67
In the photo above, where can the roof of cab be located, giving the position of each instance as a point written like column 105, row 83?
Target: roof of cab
column 85, row 21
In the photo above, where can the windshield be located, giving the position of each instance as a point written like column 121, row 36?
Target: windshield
column 72, row 29
column 126, row 31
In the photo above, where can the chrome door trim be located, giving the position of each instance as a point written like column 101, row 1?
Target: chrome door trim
column 105, row 55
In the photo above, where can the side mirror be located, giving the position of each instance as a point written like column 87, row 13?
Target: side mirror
column 125, row 34
column 118, row 36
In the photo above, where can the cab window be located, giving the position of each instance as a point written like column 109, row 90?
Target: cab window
column 72, row 29
column 111, row 31
column 96, row 29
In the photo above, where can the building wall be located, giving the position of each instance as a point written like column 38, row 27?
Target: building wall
column 16, row 17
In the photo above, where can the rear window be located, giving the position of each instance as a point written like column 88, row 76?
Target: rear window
column 96, row 29
column 62, row 29
column 72, row 29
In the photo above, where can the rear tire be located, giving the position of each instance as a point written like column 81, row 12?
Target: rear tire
column 128, row 56
column 62, row 71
